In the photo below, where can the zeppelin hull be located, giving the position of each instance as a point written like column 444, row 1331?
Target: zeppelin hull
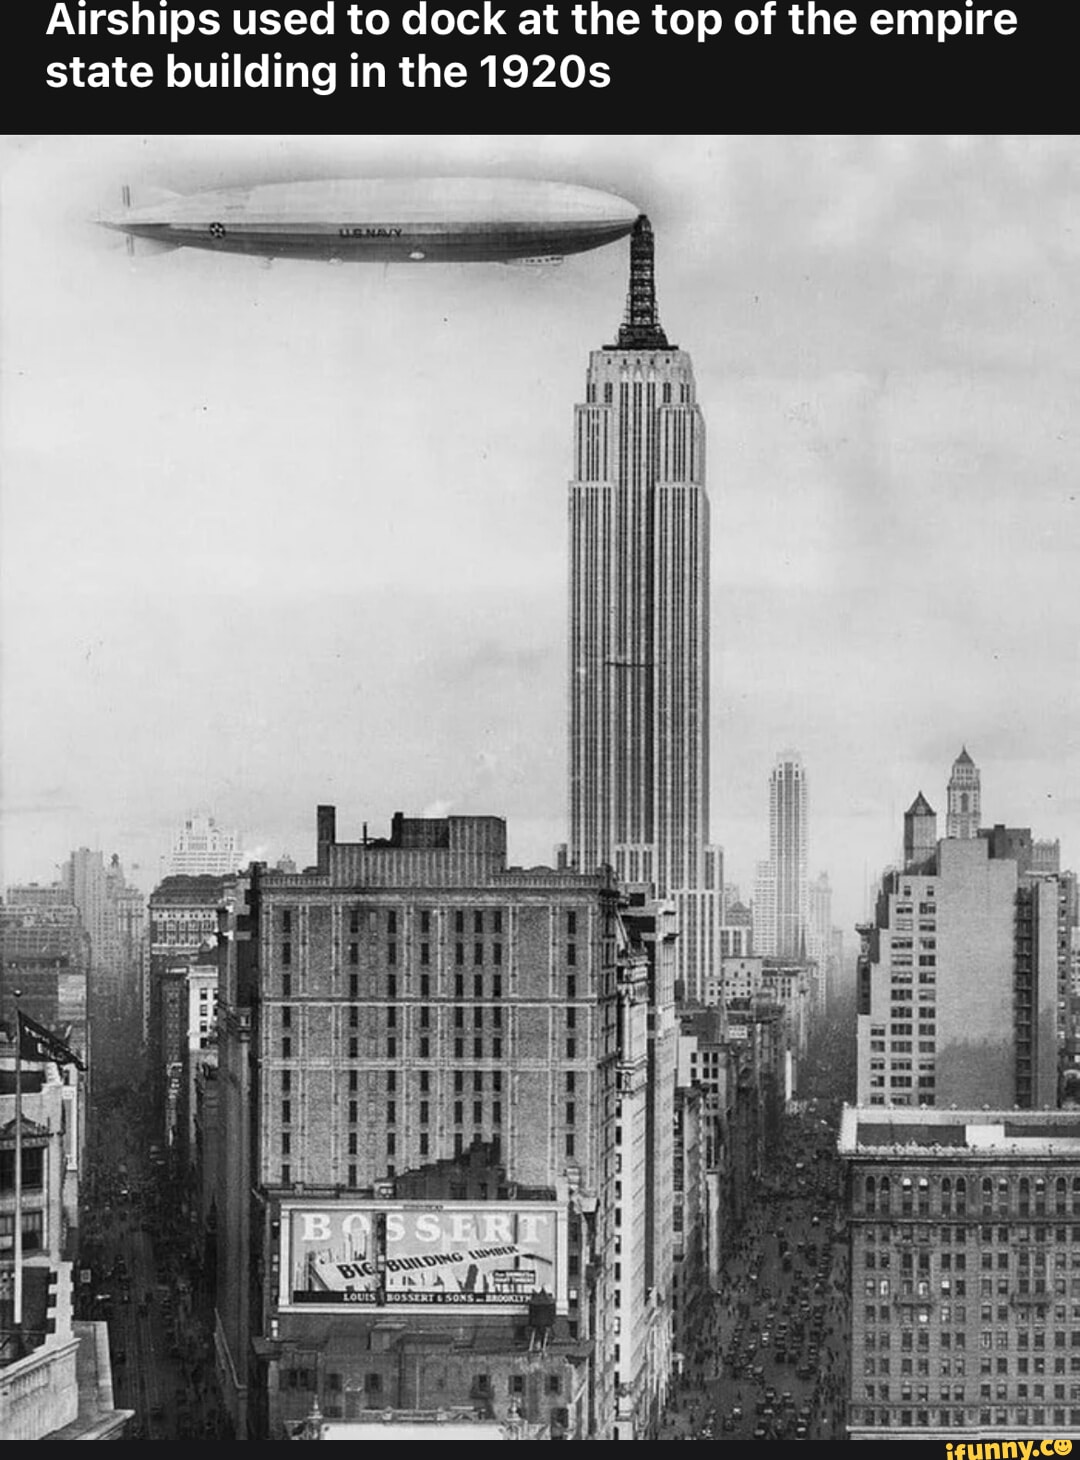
column 388, row 242
column 447, row 220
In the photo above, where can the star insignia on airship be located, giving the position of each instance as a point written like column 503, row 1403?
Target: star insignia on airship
column 217, row 230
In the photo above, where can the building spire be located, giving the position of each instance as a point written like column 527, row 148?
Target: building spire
column 641, row 328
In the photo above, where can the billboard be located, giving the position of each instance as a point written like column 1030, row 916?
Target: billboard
column 491, row 1255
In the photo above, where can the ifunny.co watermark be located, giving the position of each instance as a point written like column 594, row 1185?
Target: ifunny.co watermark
column 1008, row 1449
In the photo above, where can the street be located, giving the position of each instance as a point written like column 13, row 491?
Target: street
column 773, row 1359
column 144, row 1280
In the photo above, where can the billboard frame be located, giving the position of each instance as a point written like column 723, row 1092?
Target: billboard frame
column 294, row 1208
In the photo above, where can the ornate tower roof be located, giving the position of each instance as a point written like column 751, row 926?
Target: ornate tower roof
column 921, row 807
column 963, row 758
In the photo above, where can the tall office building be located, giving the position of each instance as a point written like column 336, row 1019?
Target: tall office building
column 639, row 624
column 962, row 818
column 782, row 885
column 763, row 913
column 963, row 992
column 420, row 1052
column 819, row 924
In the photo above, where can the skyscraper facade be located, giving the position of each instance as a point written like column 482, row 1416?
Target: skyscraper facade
column 962, row 996
column 788, row 856
column 639, row 621
column 410, row 1032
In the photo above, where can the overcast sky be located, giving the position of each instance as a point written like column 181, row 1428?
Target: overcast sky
column 272, row 537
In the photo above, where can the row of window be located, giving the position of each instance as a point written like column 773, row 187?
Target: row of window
column 480, row 921
column 1022, row 1195
column 478, row 1080
column 298, row 1377
column 966, row 1418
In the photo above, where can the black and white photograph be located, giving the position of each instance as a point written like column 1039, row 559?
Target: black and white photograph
column 540, row 774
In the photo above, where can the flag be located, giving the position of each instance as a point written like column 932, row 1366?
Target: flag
column 37, row 1044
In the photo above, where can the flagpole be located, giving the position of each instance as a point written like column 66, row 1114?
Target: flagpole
column 18, row 1294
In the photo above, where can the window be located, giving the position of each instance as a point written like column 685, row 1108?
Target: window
column 33, row 1229
column 286, row 954
column 33, row 1169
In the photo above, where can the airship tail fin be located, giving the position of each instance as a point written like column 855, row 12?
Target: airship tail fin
column 146, row 197
column 136, row 247
column 144, row 248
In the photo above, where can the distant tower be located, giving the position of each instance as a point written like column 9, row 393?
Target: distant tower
column 964, row 811
column 788, row 851
column 920, row 835
column 201, row 848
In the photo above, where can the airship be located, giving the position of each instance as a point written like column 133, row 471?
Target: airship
column 385, row 220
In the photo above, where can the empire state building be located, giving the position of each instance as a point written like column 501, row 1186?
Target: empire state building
column 639, row 622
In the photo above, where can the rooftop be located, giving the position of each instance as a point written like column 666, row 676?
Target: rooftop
column 881, row 1129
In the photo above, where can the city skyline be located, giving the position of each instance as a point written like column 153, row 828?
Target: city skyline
column 267, row 544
